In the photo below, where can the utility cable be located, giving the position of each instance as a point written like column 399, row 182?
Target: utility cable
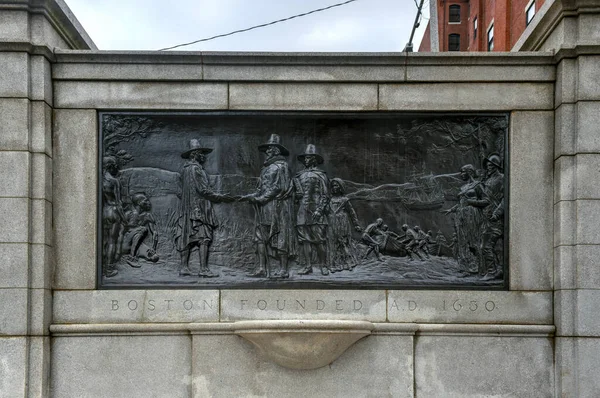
column 259, row 26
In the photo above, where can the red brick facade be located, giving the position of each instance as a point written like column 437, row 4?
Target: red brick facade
column 508, row 18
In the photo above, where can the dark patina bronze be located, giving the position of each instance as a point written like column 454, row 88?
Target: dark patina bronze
column 303, row 200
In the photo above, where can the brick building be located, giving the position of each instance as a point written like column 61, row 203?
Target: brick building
column 477, row 25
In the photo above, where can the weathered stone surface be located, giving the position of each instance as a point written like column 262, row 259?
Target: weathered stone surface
column 588, row 168
column 41, row 265
column 116, row 306
column 42, row 32
column 41, row 128
column 41, row 79
column 127, row 71
column 74, row 197
column 587, row 27
column 366, row 305
column 14, row 174
column 576, row 312
column 466, row 96
column 588, row 266
column 13, row 371
column 41, row 176
column 376, row 366
column 13, row 312
column 564, row 178
column 309, row 96
column 566, row 82
column 337, row 73
column 588, row 120
column 14, row 218
column 588, row 220
column 15, row 75
column 469, row 307
column 586, row 373
column 41, row 221
column 564, row 223
column 565, row 267
column 589, row 76
column 140, row 95
column 531, row 211
column 14, row 129
column 457, row 367
column 40, row 311
column 121, row 366
column 565, row 127
column 14, row 25
column 39, row 367
column 484, row 73
column 13, row 264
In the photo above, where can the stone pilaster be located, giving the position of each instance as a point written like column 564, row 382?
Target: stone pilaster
column 29, row 31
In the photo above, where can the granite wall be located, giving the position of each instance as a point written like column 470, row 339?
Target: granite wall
column 62, row 337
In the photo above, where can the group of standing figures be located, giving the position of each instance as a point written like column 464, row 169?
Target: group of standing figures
column 306, row 209
column 479, row 219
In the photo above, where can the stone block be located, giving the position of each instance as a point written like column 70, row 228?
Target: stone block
column 40, row 311
column 588, row 266
column 565, row 310
column 14, row 25
column 564, row 369
column 14, row 129
column 41, row 222
column 466, row 97
column 312, row 73
column 566, row 82
column 39, row 367
column 15, row 74
column 140, row 95
column 589, row 77
column 564, row 178
column 127, row 71
column 74, row 184
column 41, row 266
column 13, row 312
column 576, row 313
column 14, row 174
column 308, row 96
column 565, row 267
column 14, row 218
column 588, row 361
column 41, row 79
column 421, row 306
column 565, row 130
column 376, row 366
column 41, row 176
column 368, row 305
column 588, row 222
column 531, row 205
column 483, row 73
column 588, row 123
column 133, row 306
column 43, row 33
column 588, row 169
column 14, row 264
column 457, row 367
column 41, row 128
column 587, row 27
column 13, row 371
column 565, row 220
column 121, row 366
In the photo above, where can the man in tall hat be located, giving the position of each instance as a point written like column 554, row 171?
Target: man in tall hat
column 311, row 187
column 493, row 211
column 273, row 209
column 197, row 219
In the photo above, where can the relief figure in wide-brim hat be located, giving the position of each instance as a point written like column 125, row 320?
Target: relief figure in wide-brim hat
column 274, row 140
column 311, row 150
column 195, row 145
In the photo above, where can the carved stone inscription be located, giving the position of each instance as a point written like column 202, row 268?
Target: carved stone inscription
column 302, row 200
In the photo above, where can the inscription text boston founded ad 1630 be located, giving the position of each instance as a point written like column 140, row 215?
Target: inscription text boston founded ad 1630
column 293, row 200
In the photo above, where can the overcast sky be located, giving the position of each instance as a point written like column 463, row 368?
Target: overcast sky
column 364, row 25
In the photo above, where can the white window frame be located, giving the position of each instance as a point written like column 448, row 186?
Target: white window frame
column 530, row 7
column 490, row 30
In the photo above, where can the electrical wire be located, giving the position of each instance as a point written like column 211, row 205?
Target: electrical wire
column 260, row 26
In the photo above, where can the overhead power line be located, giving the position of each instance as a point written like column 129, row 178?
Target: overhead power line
column 259, row 26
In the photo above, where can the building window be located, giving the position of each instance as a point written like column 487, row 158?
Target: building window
column 474, row 28
column 490, row 38
column 454, row 13
column 454, row 42
column 530, row 12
